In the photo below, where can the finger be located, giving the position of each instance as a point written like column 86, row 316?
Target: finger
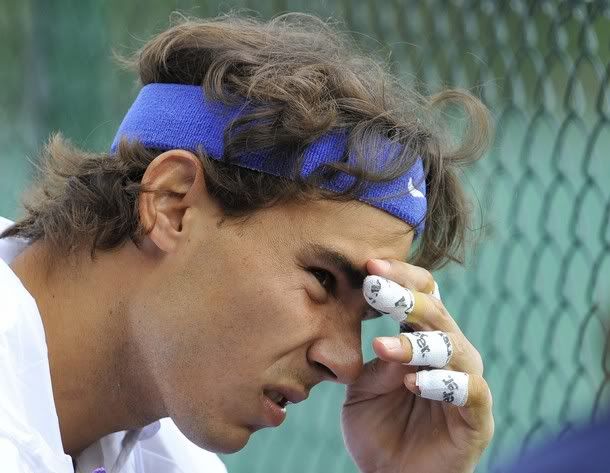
column 405, row 305
column 434, row 349
column 429, row 313
column 475, row 397
column 405, row 274
column 424, row 313
column 378, row 377
column 443, row 385
column 454, row 387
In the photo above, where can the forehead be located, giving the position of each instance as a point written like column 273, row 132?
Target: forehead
column 355, row 229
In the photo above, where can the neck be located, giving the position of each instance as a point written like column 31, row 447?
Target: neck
column 99, row 382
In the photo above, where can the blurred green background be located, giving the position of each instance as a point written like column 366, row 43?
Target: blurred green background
column 533, row 296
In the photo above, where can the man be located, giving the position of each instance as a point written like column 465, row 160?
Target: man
column 258, row 203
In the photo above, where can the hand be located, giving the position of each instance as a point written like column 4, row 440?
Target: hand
column 387, row 425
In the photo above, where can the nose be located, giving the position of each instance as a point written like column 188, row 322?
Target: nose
column 338, row 358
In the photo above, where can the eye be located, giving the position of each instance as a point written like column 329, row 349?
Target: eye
column 326, row 279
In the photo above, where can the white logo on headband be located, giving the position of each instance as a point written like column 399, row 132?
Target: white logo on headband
column 414, row 191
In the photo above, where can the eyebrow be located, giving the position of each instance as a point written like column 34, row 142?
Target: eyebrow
column 340, row 262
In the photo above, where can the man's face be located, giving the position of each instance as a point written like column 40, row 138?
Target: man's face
column 241, row 311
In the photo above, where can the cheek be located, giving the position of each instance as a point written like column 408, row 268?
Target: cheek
column 195, row 326
column 263, row 327
column 212, row 342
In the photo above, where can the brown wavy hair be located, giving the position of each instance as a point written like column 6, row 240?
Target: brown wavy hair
column 303, row 78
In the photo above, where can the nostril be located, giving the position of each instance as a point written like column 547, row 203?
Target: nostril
column 327, row 372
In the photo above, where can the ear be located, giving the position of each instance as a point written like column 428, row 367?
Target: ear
column 173, row 187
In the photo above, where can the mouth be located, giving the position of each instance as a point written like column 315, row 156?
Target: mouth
column 276, row 398
column 284, row 395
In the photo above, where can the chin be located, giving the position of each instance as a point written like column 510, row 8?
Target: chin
column 233, row 440
column 234, row 447
column 218, row 439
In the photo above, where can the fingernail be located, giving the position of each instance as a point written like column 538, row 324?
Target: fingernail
column 391, row 344
column 383, row 265
column 411, row 383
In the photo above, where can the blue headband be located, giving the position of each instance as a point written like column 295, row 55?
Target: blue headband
column 168, row 116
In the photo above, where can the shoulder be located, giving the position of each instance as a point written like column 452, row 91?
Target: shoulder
column 179, row 451
column 29, row 420
column 20, row 324
column 18, row 309
column 10, row 247
column 4, row 223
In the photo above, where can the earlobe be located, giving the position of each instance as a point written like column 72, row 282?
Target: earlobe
column 171, row 185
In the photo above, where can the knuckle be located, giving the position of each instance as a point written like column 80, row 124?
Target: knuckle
column 474, row 394
column 439, row 311
column 491, row 428
column 395, row 266
column 480, row 397
column 427, row 280
column 458, row 347
column 486, row 433
column 441, row 316
column 411, row 276
column 465, row 356
column 438, row 305
column 474, row 356
column 480, row 394
column 478, row 360
column 490, row 396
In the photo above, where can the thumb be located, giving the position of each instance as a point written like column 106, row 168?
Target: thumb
column 378, row 377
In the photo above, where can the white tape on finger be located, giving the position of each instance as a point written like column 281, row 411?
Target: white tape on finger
column 443, row 385
column 430, row 348
column 388, row 297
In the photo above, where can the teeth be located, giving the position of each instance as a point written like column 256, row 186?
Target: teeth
column 275, row 396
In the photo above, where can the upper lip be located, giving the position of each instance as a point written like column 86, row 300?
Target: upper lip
column 293, row 394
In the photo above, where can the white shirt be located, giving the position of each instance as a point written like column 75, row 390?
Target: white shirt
column 30, row 440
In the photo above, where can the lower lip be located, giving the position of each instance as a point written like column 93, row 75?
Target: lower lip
column 274, row 414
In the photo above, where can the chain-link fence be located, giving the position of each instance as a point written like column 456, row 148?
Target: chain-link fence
column 533, row 296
